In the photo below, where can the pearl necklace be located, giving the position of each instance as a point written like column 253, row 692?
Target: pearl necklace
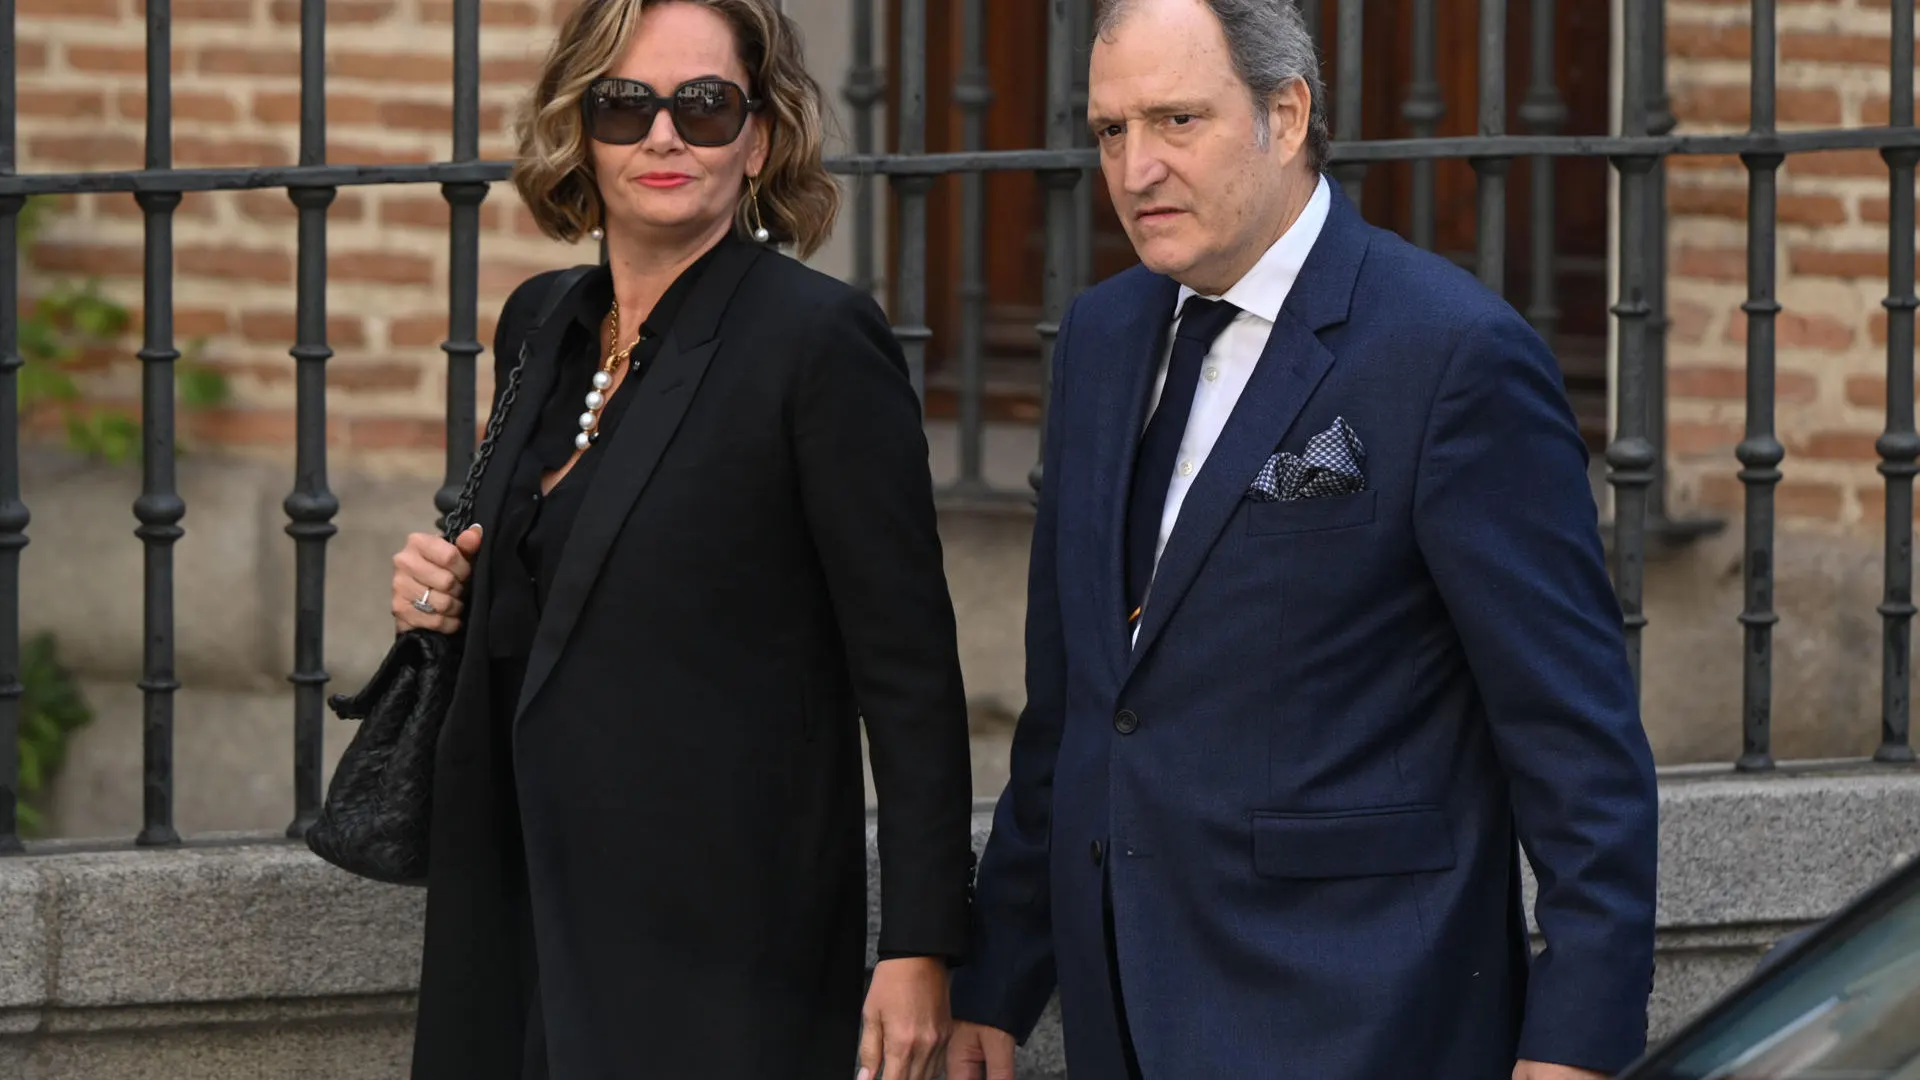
column 602, row 381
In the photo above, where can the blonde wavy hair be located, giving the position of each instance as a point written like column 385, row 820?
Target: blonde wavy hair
column 554, row 173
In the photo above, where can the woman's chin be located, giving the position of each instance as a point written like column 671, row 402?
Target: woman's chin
column 660, row 219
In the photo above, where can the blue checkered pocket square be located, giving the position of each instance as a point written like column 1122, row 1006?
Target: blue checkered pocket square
column 1334, row 463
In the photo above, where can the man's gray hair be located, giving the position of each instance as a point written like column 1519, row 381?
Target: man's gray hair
column 1270, row 48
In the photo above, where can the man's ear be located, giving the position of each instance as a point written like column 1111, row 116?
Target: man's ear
column 1289, row 112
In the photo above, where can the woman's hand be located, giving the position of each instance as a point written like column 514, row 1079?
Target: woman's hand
column 429, row 568
column 907, row 1020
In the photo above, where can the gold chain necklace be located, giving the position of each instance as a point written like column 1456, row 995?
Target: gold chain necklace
column 602, row 382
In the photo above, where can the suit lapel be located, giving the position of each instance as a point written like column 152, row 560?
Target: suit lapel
column 1131, row 358
column 1290, row 368
column 652, row 418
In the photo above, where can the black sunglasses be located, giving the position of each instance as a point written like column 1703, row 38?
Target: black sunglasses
column 706, row 112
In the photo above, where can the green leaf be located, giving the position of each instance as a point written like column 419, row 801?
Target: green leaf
column 51, row 711
column 43, row 382
column 202, row 387
column 30, row 775
column 119, row 438
column 56, row 305
column 98, row 317
column 81, row 435
column 42, row 342
column 33, row 216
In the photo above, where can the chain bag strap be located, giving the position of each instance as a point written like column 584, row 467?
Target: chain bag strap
column 377, row 815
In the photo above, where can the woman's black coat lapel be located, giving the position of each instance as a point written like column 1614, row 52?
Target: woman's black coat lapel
column 536, row 354
column 636, row 446
column 538, row 351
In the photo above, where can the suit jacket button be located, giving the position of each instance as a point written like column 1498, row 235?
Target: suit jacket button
column 1125, row 722
column 1097, row 854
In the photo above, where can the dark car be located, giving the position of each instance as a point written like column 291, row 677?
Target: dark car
column 1841, row 1002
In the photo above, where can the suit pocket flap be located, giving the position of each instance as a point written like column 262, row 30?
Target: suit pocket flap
column 1352, row 843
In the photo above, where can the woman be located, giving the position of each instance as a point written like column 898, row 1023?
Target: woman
column 706, row 549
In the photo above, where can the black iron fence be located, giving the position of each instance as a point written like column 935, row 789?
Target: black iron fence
column 1063, row 166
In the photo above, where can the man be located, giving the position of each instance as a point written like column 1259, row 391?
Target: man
column 1318, row 627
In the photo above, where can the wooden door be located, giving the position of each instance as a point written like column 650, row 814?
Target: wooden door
column 1015, row 215
column 1580, row 217
column 1014, row 222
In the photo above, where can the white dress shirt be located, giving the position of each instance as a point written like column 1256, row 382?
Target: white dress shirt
column 1230, row 362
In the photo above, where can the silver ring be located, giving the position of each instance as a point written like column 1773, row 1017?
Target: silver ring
column 422, row 605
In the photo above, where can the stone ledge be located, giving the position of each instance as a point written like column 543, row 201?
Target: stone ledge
column 370, row 1044
column 259, row 1014
column 1789, row 847
column 220, row 920
column 247, row 934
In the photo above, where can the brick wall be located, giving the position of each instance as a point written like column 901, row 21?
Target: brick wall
column 236, row 103
column 1832, row 261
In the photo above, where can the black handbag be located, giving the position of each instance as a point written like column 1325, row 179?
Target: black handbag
column 376, row 818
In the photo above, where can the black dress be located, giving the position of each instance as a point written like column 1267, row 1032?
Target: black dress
column 534, row 527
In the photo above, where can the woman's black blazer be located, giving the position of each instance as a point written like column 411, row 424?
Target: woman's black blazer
column 754, row 571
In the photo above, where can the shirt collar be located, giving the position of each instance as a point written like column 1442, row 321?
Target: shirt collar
column 1263, row 289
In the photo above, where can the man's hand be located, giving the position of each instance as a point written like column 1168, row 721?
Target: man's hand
column 1540, row 1070
column 978, row 1052
column 905, row 1024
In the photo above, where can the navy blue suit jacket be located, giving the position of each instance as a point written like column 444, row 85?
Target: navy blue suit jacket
column 1307, row 778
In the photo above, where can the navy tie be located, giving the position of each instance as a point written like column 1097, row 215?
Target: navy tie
column 1201, row 320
